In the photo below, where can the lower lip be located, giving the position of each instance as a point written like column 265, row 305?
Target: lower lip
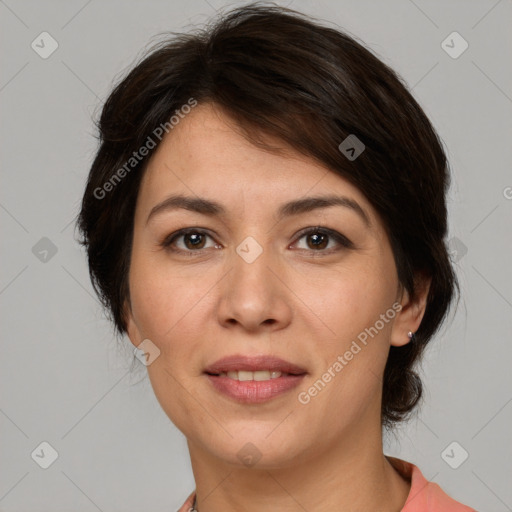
column 255, row 391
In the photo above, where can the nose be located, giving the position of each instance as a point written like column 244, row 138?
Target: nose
column 254, row 295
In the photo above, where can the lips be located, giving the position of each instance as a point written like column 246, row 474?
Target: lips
column 255, row 379
column 238, row 363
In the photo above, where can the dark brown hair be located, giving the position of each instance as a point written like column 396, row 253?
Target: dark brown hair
column 278, row 73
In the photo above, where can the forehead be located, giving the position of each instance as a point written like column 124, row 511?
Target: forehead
column 206, row 154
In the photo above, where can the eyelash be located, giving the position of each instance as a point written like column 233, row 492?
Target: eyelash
column 344, row 242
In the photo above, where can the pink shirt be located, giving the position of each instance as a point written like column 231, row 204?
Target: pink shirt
column 424, row 496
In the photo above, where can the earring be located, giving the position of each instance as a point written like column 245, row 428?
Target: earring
column 410, row 334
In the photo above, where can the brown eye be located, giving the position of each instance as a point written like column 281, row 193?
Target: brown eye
column 319, row 239
column 192, row 240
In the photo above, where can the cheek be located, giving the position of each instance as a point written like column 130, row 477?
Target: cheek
column 349, row 378
column 351, row 305
column 350, row 301
column 166, row 301
column 170, row 309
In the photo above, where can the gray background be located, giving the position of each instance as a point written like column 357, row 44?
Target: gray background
column 64, row 378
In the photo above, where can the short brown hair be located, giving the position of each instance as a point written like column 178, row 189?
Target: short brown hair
column 277, row 72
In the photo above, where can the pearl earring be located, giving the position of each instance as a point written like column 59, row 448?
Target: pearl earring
column 410, row 334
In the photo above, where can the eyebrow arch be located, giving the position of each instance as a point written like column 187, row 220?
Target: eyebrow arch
column 296, row 207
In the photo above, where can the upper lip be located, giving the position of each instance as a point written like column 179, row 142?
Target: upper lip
column 253, row 364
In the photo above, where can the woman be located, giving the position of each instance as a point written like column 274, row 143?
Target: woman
column 265, row 219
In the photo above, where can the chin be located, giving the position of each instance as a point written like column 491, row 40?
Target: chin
column 253, row 449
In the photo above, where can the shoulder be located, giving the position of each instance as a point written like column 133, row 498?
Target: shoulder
column 425, row 496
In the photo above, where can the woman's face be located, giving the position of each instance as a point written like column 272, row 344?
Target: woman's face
column 251, row 281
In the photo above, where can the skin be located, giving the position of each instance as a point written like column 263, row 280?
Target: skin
column 291, row 302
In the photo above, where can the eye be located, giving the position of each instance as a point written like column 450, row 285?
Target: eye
column 193, row 240
column 318, row 239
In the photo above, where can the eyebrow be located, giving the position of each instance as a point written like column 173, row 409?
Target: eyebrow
column 296, row 207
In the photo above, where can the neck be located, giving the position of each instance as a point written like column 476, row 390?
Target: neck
column 351, row 474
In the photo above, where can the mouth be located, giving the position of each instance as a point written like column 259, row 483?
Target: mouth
column 245, row 376
column 254, row 379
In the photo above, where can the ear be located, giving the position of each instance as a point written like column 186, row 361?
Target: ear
column 132, row 330
column 408, row 319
